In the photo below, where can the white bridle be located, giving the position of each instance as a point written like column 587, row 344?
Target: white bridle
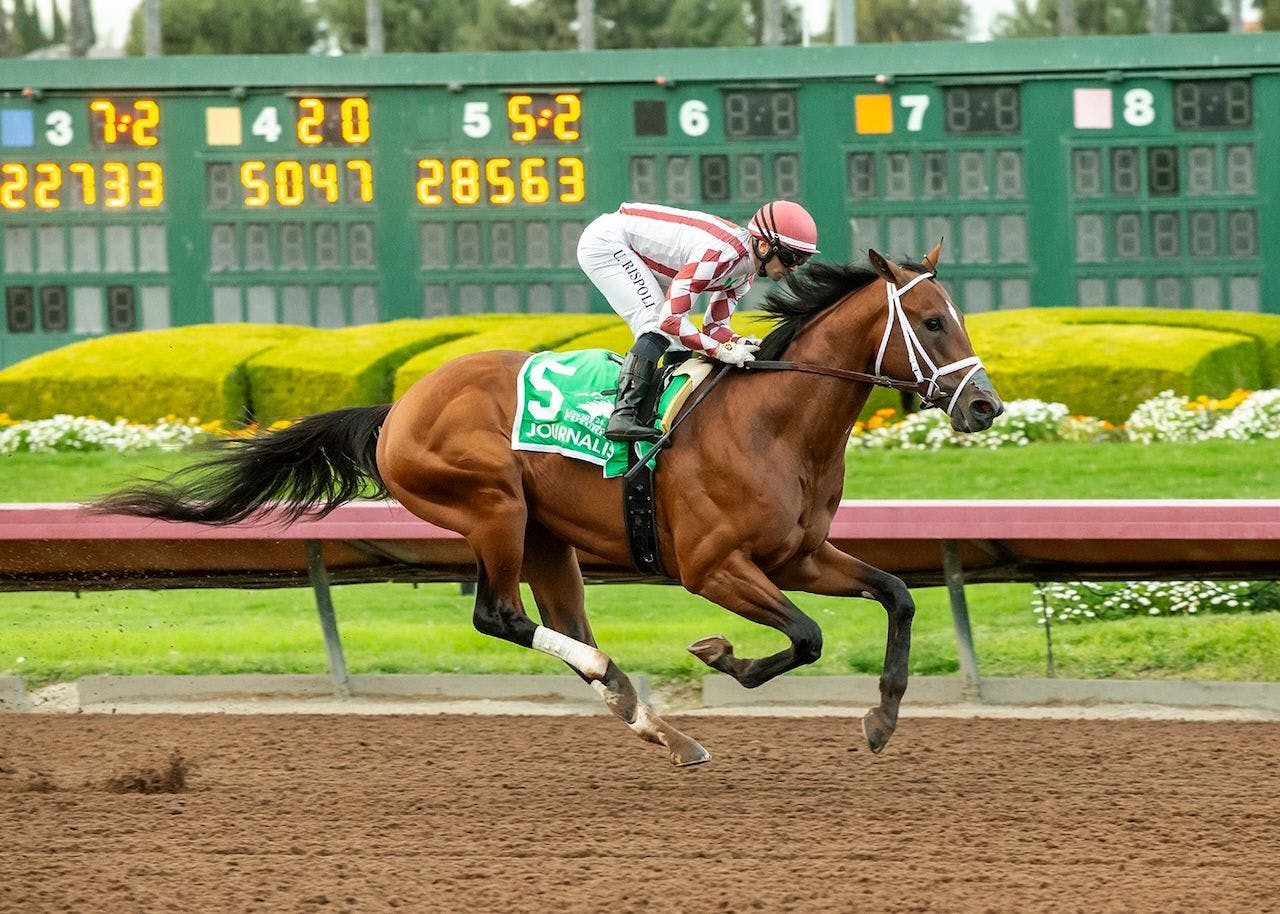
column 916, row 352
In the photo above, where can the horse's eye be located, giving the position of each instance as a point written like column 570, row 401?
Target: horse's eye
column 933, row 323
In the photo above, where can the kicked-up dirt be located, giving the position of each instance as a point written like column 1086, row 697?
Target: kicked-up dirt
column 464, row 814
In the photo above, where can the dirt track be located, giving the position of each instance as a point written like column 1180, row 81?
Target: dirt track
column 559, row 814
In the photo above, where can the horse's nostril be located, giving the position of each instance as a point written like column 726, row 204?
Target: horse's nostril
column 983, row 409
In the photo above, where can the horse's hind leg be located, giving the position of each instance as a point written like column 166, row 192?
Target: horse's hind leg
column 551, row 568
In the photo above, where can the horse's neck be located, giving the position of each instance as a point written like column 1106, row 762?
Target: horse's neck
column 819, row 410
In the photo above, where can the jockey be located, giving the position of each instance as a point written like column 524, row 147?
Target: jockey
column 632, row 255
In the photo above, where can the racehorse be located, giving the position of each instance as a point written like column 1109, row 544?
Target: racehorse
column 744, row 495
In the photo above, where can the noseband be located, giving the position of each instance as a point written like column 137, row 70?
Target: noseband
column 927, row 387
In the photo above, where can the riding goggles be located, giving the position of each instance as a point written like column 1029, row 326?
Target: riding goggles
column 789, row 258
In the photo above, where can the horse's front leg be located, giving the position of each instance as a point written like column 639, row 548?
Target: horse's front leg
column 738, row 584
column 830, row 572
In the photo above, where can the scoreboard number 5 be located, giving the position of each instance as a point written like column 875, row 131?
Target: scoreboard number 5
column 476, row 122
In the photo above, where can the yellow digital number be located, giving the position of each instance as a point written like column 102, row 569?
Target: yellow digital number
column 364, row 174
column 88, row 185
column 148, row 119
column 464, row 183
column 108, row 112
column 431, row 176
column 502, row 189
column 290, row 191
column 524, row 124
column 150, row 184
column 324, row 178
column 14, row 183
column 565, row 125
column 115, row 185
column 311, row 124
column 573, row 185
column 355, row 120
column 258, row 190
column 534, row 186
column 45, row 191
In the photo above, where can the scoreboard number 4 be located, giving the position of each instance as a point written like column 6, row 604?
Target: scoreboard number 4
column 267, row 124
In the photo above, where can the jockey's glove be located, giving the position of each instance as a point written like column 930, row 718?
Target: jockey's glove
column 739, row 353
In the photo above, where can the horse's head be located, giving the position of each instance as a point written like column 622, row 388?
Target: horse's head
column 925, row 339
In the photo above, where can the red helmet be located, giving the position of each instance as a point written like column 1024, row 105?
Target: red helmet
column 786, row 224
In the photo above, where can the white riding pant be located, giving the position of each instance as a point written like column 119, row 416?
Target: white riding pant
column 622, row 277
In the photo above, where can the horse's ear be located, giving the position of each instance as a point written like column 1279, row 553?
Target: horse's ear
column 930, row 260
column 881, row 265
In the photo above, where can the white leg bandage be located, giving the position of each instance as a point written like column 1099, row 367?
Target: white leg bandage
column 584, row 658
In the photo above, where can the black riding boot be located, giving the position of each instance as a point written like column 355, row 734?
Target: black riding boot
column 635, row 383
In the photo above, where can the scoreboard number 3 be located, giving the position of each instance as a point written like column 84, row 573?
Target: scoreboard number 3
column 59, row 132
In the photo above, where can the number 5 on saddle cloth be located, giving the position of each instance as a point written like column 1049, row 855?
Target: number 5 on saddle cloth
column 563, row 403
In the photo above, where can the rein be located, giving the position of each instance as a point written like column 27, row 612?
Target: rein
column 916, row 353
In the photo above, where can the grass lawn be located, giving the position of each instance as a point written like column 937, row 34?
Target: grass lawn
column 49, row 637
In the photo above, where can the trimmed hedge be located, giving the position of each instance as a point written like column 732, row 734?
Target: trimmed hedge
column 1104, row 368
column 1102, row 362
column 535, row 333
column 195, row 371
column 1264, row 329
column 352, row 366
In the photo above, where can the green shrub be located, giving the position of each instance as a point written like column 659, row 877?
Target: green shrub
column 1263, row 329
column 534, row 333
column 352, row 366
column 187, row 371
column 1105, row 370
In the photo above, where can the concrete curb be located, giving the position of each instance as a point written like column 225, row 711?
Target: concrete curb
column 864, row 691
column 432, row 687
column 538, row 694
column 12, row 697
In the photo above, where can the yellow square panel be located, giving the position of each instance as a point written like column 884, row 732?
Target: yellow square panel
column 222, row 127
column 873, row 113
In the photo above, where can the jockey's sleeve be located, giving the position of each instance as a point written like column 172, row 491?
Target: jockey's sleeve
column 720, row 308
column 692, row 280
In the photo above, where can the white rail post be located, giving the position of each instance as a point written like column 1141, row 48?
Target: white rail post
column 328, row 621
column 954, row 575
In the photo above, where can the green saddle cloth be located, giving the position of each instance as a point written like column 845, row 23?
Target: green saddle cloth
column 563, row 403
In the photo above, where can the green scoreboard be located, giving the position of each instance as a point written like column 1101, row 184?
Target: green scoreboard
column 146, row 193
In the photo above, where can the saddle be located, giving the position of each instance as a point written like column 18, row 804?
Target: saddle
column 563, row 402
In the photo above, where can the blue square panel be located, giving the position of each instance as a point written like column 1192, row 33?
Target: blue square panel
column 17, row 128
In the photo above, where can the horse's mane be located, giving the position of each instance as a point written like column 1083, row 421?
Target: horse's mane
column 805, row 294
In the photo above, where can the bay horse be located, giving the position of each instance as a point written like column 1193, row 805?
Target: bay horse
column 745, row 494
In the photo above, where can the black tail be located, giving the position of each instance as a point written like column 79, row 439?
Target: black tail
column 310, row 467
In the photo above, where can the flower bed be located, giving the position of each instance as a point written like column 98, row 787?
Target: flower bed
column 1165, row 417
column 1077, row 601
column 85, row 433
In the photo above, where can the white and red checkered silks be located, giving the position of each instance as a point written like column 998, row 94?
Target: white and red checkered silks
column 635, row 254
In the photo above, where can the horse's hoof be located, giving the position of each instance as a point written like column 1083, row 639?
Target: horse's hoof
column 877, row 729
column 711, row 650
column 689, row 755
